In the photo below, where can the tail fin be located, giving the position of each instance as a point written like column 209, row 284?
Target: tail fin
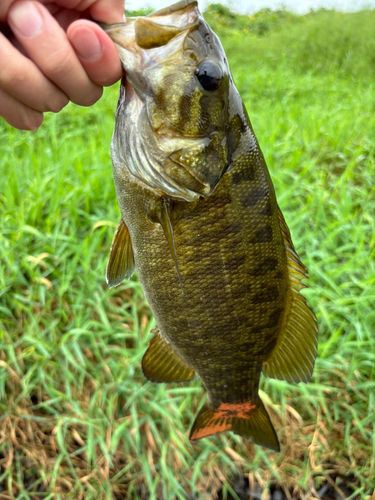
column 246, row 419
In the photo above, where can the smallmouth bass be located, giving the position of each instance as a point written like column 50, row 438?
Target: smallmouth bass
column 201, row 224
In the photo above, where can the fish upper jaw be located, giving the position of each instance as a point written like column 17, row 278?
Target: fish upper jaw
column 178, row 13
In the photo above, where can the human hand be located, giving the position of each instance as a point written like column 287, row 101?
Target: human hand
column 50, row 54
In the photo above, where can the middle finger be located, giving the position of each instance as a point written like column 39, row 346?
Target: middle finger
column 47, row 45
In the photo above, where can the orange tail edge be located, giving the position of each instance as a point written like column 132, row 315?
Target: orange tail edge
column 246, row 419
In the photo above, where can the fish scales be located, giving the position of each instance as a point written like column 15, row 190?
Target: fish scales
column 201, row 224
column 219, row 279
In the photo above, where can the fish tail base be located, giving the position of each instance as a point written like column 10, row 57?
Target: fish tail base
column 246, row 419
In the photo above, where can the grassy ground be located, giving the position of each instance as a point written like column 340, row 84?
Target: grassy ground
column 77, row 419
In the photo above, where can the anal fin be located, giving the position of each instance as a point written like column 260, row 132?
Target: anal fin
column 246, row 419
column 294, row 355
column 121, row 258
column 161, row 364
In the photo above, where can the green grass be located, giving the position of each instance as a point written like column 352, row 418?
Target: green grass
column 77, row 418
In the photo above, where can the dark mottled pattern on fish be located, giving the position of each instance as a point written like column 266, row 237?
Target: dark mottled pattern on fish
column 263, row 235
column 252, row 198
column 270, row 294
column 267, row 209
column 243, row 175
column 265, row 266
column 274, row 317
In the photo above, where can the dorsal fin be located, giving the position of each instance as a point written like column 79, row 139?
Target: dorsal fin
column 161, row 364
column 165, row 223
column 294, row 354
column 121, row 258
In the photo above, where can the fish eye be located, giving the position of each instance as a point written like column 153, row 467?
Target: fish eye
column 209, row 75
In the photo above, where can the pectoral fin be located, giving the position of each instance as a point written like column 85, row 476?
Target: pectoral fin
column 165, row 223
column 294, row 354
column 161, row 364
column 121, row 259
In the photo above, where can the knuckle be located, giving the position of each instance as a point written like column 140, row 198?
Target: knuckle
column 58, row 63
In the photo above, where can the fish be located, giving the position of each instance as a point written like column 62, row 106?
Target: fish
column 201, row 226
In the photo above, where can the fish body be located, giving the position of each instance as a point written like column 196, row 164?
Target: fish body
column 201, row 225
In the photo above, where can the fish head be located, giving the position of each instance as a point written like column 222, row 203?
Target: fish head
column 176, row 95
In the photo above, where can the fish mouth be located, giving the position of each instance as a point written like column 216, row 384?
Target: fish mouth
column 154, row 30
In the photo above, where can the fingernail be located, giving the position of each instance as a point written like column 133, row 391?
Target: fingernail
column 25, row 18
column 86, row 44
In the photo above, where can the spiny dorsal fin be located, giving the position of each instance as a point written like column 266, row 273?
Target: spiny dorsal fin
column 246, row 419
column 294, row 355
column 121, row 259
column 165, row 223
column 161, row 364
